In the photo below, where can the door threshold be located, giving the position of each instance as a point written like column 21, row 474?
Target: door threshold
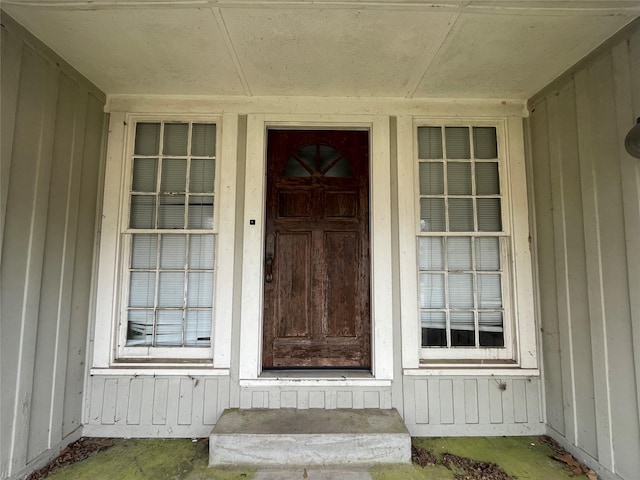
column 316, row 378
column 317, row 373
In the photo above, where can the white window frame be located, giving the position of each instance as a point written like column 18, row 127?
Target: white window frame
column 519, row 328
column 111, row 322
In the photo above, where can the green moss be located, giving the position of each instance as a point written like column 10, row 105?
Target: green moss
column 520, row 457
column 411, row 472
column 183, row 459
column 151, row 459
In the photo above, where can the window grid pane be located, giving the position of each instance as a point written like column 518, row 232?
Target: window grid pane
column 460, row 276
column 170, row 288
column 460, row 283
column 172, row 184
column 171, row 273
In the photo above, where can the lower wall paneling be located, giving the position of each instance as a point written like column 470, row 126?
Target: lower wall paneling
column 159, row 406
column 470, row 406
column 315, row 397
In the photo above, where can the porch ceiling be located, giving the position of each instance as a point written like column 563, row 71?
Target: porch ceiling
column 506, row 49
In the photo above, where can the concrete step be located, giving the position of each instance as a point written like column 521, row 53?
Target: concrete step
column 309, row 437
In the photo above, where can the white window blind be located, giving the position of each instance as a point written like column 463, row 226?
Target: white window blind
column 170, row 231
column 461, row 242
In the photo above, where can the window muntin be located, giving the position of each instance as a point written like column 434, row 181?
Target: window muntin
column 170, row 239
column 461, row 244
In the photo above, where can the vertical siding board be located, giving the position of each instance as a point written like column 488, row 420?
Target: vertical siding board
column 534, row 399
column 421, row 401
column 134, row 403
column 330, row 399
column 546, row 267
column 10, row 80
column 446, row 401
column 25, row 224
column 575, row 272
column 471, row 401
column 122, row 401
column 173, row 401
column 358, row 399
column 624, row 412
column 459, row 404
column 495, row 402
column 484, row 402
column 185, row 401
column 109, row 399
column 39, row 177
column 519, row 401
column 386, row 400
column 97, row 394
column 146, row 402
column 412, row 400
column 82, row 273
column 210, row 401
column 508, row 413
column 561, row 275
column 434, row 401
column 303, row 399
column 49, row 318
column 68, row 262
column 197, row 416
column 594, row 266
column 160, row 401
column 624, row 64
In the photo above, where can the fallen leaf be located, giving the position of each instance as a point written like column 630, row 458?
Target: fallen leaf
column 592, row 475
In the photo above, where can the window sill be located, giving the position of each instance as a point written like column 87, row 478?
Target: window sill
column 160, row 370
column 471, row 369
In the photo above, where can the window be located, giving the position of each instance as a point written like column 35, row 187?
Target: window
column 462, row 243
column 169, row 241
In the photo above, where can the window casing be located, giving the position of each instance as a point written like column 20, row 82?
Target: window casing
column 169, row 241
column 462, row 242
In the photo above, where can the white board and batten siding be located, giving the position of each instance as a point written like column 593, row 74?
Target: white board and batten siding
column 587, row 234
column 52, row 143
column 328, row 397
column 155, row 406
column 444, row 405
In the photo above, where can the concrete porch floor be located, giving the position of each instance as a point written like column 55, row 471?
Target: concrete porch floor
column 184, row 459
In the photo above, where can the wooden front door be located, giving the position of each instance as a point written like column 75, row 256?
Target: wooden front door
column 316, row 285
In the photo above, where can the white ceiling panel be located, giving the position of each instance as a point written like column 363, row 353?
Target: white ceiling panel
column 498, row 49
column 333, row 52
column 512, row 56
column 139, row 51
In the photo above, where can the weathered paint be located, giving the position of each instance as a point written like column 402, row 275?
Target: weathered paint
column 52, row 128
column 587, row 233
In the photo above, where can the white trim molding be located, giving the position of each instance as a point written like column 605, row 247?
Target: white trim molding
column 380, row 223
column 520, row 335
column 107, row 331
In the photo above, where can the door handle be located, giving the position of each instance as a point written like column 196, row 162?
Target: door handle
column 269, row 255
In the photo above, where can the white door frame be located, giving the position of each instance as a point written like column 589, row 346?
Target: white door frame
column 250, row 366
